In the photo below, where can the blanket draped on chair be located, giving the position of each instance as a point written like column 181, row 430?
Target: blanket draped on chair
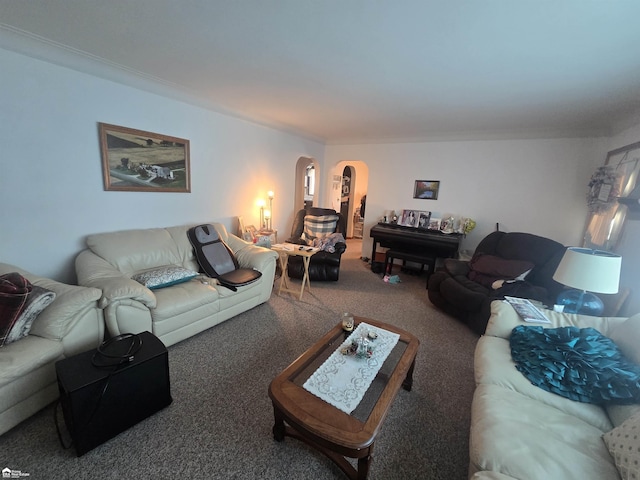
column 328, row 243
column 20, row 304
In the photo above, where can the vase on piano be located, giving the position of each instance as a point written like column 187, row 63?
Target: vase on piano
column 447, row 225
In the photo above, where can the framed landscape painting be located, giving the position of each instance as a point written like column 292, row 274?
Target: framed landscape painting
column 426, row 189
column 139, row 161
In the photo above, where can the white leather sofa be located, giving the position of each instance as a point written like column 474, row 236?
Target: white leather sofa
column 71, row 324
column 176, row 312
column 521, row 431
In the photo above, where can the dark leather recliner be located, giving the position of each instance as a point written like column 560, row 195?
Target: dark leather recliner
column 464, row 289
column 323, row 266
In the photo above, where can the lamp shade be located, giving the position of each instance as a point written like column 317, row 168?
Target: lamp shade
column 589, row 270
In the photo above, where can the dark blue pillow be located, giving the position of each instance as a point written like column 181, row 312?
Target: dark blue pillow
column 577, row 363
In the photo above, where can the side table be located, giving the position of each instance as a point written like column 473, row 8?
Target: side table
column 284, row 252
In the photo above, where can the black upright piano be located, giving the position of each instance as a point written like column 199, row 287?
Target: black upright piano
column 414, row 240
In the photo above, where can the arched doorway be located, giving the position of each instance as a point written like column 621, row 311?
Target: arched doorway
column 348, row 201
column 306, row 185
column 346, row 198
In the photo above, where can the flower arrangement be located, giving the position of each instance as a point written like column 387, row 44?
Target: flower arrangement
column 468, row 225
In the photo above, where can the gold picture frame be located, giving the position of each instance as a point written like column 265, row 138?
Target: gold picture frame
column 139, row 161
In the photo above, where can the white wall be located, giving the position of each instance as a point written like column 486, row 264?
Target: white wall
column 52, row 189
column 51, row 178
column 535, row 186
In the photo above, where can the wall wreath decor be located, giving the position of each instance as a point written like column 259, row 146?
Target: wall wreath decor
column 604, row 189
column 616, row 178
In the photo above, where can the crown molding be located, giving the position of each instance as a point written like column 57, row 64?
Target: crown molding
column 46, row 50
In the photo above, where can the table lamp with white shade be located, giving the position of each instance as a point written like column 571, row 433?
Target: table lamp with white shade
column 585, row 271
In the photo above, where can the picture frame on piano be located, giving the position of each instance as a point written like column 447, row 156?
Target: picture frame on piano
column 415, row 218
column 409, row 218
column 423, row 219
column 434, row 224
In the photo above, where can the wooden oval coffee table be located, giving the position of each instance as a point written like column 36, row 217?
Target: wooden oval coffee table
column 302, row 415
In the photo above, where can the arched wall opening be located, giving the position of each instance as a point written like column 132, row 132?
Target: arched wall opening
column 358, row 185
column 307, row 183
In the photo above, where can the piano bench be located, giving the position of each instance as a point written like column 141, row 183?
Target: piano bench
column 409, row 257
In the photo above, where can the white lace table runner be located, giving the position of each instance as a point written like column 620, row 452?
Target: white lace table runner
column 342, row 380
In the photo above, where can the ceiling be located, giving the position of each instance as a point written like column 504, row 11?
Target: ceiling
column 345, row 71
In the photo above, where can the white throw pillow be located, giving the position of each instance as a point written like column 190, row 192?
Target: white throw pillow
column 627, row 337
column 623, row 443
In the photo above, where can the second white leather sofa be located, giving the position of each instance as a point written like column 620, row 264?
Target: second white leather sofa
column 70, row 325
column 521, row 431
column 176, row 312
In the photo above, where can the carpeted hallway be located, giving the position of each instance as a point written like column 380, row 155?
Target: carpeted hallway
column 219, row 424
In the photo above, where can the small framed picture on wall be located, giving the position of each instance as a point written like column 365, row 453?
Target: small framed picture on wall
column 426, row 189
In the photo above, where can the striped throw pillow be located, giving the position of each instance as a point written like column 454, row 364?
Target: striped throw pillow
column 318, row 226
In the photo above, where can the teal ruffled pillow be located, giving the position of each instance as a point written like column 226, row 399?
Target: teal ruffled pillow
column 577, row 363
column 164, row 276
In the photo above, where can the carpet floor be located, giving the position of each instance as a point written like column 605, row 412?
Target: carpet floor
column 219, row 424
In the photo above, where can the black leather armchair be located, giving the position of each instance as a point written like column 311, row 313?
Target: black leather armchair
column 465, row 289
column 323, row 266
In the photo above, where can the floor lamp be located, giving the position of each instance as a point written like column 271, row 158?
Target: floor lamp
column 270, row 195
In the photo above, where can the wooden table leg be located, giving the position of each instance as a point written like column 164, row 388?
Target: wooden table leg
column 408, row 381
column 284, row 261
column 278, row 426
column 305, row 277
column 364, row 464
